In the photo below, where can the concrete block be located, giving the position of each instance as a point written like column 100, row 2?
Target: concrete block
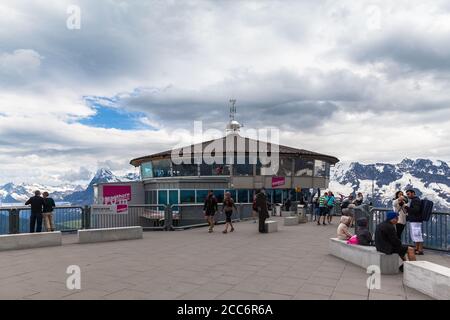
column 271, row 226
column 429, row 278
column 288, row 213
column 365, row 256
column 109, row 234
column 290, row 221
column 30, row 240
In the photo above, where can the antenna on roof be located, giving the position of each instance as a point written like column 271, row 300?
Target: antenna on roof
column 233, row 126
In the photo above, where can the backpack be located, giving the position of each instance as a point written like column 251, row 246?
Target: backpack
column 426, row 209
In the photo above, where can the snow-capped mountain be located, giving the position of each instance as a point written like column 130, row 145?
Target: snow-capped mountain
column 430, row 179
column 11, row 193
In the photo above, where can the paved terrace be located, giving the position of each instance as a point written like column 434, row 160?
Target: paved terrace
column 291, row 264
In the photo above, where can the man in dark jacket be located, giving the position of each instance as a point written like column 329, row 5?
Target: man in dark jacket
column 263, row 212
column 387, row 241
column 413, row 208
column 37, row 205
column 209, row 209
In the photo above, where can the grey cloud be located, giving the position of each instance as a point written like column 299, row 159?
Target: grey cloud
column 82, row 174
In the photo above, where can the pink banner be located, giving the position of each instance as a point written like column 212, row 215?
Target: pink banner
column 278, row 181
column 118, row 195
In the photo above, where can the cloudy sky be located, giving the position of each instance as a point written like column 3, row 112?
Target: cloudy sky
column 362, row 80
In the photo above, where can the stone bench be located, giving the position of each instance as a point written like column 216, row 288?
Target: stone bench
column 291, row 221
column 30, row 240
column 271, row 226
column 288, row 213
column 365, row 256
column 429, row 278
column 109, row 234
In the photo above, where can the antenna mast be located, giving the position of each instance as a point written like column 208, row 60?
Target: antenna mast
column 232, row 109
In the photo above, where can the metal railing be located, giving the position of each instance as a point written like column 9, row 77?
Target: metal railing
column 4, row 221
column 436, row 231
column 191, row 215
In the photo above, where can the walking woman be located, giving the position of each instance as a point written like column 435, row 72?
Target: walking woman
column 228, row 205
column 399, row 205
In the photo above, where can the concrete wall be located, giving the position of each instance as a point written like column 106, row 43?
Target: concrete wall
column 30, row 240
column 429, row 278
column 111, row 234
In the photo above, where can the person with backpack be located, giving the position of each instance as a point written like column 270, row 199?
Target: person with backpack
column 330, row 204
column 362, row 232
column 49, row 205
column 228, row 205
column 399, row 206
column 414, row 210
column 359, row 199
column 37, row 205
column 209, row 209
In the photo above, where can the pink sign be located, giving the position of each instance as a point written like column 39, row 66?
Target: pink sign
column 118, row 195
column 278, row 181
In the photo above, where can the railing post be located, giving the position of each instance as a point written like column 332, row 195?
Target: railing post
column 86, row 221
column 14, row 221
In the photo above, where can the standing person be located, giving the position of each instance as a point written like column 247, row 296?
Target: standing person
column 399, row 206
column 323, row 207
column 387, row 241
column 415, row 220
column 359, row 199
column 49, row 205
column 254, row 209
column 37, row 204
column 261, row 205
column 210, row 208
column 228, row 205
column 330, row 204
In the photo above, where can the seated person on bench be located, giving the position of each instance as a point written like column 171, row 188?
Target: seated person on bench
column 387, row 241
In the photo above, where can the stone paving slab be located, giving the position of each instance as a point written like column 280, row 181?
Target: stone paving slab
column 293, row 263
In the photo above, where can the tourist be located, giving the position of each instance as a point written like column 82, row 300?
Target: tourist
column 362, row 232
column 330, row 204
column 399, row 206
column 387, row 241
column 347, row 207
column 413, row 208
column 210, row 208
column 287, row 204
column 261, row 205
column 47, row 214
column 316, row 209
column 228, row 205
column 323, row 207
column 37, row 204
column 359, row 199
column 254, row 209
column 342, row 230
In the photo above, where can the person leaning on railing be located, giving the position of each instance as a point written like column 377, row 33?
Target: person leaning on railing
column 399, row 206
column 49, row 205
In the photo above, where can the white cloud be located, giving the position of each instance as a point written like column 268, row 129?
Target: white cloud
column 316, row 69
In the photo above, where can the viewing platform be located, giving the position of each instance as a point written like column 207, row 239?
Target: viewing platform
column 293, row 263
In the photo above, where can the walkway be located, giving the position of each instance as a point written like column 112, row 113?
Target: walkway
column 291, row 264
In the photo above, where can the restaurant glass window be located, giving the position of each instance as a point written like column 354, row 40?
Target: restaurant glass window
column 151, row 197
column 303, row 167
column 161, row 168
column 219, row 195
column 187, row 196
column 146, row 170
column 242, row 166
column 243, row 196
column 321, row 169
column 285, row 167
column 277, row 196
column 162, row 196
column 186, row 170
column 173, row 196
column 201, row 196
